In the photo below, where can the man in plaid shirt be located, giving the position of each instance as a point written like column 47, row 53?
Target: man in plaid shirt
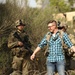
column 56, row 56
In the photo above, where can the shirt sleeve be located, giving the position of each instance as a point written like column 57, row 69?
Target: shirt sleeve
column 67, row 41
column 43, row 42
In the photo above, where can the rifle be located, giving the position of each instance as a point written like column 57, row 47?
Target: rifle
column 24, row 43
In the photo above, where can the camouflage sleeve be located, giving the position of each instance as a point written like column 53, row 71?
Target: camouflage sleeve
column 72, row 38
column 12, row 42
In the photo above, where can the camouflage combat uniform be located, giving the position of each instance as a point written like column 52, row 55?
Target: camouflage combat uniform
column 69, row 55
column 21, row 63
column 72, row 60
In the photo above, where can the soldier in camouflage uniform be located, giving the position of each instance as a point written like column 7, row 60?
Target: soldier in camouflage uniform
column 21, row 56
column 69, row 54
column 72, row 61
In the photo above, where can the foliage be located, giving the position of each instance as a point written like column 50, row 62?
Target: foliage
column 8, row 15
column 72, row 2
column 35, row 20
column 36, row 26
column 59, row 6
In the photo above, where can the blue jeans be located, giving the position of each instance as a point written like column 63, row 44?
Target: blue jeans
column 60, row 66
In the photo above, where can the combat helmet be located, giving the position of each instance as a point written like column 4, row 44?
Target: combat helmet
column 62, row 25
column 19, row 22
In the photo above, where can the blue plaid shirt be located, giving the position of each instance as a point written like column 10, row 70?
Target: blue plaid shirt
column 55, row 46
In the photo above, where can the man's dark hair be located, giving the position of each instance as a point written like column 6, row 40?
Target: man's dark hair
column 51, row 21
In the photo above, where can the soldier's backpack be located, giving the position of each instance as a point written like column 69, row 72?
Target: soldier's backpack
column 48, row 38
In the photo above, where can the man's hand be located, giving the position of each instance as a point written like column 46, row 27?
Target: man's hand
column 20, row 43
column 32, row 56
column 35, row 51
column 73, row 48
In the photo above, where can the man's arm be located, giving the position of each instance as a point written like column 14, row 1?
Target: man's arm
column 68, row 42
column 11, row 42
column 34, row 53
column 41, row 45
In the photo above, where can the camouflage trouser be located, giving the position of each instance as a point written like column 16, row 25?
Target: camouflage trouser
column 27, row 67
column 17, row 65
column 21, row 66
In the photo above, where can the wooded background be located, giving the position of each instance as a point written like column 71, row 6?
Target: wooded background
column 36, row 26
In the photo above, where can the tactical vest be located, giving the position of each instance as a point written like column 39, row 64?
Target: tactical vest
column 48, row 36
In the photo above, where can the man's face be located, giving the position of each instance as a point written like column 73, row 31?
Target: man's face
column 52, row 26
column 20, row 27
